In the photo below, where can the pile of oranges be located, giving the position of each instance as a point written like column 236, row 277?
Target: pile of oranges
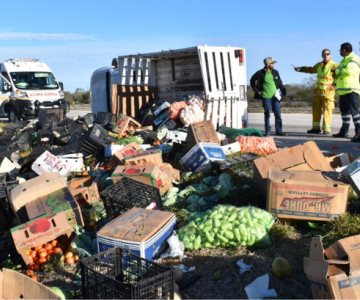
column 42, row 254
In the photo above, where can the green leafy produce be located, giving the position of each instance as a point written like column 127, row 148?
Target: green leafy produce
column 227, row 226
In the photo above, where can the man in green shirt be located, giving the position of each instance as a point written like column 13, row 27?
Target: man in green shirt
column 266, row 83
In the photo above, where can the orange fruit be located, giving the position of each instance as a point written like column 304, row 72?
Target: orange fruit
column 34, row 277
column 48, row 247
column 70, row 260
column 29, row 272
column 69, row 254
column 43, row 253
column 42, row 260
column 57, row 250
column 54, row 242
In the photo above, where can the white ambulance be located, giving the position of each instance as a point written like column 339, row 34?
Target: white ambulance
column 218, row 73
column 26, row 86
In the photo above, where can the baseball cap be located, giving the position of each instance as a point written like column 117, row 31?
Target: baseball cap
column 269, row 61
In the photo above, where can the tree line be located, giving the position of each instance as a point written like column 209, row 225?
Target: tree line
column 295, row 92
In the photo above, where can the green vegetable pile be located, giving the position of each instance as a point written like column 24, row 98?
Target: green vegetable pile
column 227, row 226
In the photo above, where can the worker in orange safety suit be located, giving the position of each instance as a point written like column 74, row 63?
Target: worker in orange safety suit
column 324, row 93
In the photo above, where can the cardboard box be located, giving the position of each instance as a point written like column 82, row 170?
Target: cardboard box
column 129, row 149
column 142, row 231
column 306, row 195
column 172, row 174
column 203, row 131
column 40, row 231
column 125, row 124
column 306, row 157
column 150, row 175
column 352, row 174
column 84, row 190
column 48, row 163
column 34, row 188
column 55, row 202
column 334, row 273
column 15, row 285
column 199, row 158
column 144, row 158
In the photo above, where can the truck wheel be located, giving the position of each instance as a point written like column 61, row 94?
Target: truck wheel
column 12, row 115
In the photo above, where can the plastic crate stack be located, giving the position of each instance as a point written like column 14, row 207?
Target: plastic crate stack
column 116, row 274
column 127, row 193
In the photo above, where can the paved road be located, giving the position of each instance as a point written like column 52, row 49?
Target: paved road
column 296, row 125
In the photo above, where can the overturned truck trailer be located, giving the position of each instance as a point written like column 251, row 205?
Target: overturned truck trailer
column 218, row 74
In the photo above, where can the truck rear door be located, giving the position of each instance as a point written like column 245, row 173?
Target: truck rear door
column 224, row 78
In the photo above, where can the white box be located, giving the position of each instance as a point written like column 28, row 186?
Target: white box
column 200, row 156
column 147, row 249
column 231, row 148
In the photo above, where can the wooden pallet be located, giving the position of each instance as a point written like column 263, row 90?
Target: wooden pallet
column 129, row 100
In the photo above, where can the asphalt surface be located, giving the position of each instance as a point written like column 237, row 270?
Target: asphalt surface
column 296, row 126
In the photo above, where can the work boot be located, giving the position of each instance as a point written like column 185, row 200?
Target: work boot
column 341, row 134
column 356, row 139
column 314, row 131
column 281, row 133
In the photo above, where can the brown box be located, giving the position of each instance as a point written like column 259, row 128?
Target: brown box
column 55, row 202
column 40, row 231
column 306, row 195
column 129, row 149
column 336, row 276
column 126, row 124
column 144, row 158
column 304, row 157
column 15, row 285
column 171, row 173
column 203, row 131
column 150, row 175
column 84, row 190
column 34, row 188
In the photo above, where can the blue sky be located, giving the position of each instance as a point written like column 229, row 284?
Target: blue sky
column 76, row 37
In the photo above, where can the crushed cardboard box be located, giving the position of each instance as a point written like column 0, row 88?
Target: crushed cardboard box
column 334, row 272
column 40, row 231
column 151, row 175
column 15, row 285
column 306, row 195
column 306, row 157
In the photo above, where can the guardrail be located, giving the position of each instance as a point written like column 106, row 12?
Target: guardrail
column 85, row 107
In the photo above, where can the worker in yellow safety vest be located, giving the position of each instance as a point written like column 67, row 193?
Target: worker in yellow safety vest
column 347, row 76
column 324, row 93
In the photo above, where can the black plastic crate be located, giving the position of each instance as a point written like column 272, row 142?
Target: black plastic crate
column 117, row 274
column 89, row 147
column 100, row 135
column 127, row 193
column 234, row 161
column 88, row 119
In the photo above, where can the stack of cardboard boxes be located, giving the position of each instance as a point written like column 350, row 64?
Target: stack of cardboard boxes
column 300, row 183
